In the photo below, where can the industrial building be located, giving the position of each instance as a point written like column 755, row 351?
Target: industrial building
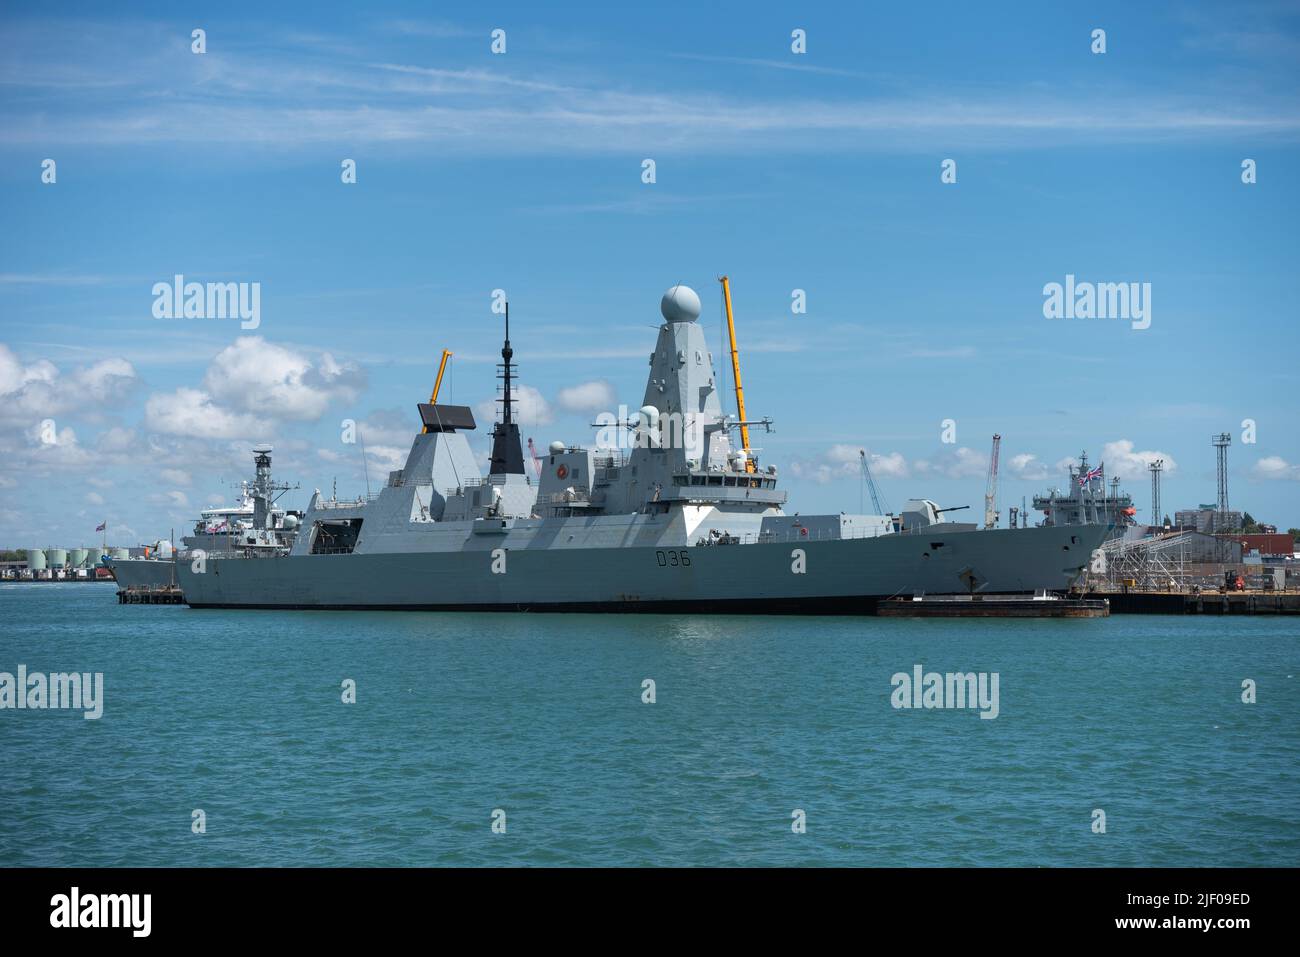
column 1207, row 519
column 61, row 564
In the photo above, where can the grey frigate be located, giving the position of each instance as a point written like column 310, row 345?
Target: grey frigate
column 681, row 518
column 255, row 524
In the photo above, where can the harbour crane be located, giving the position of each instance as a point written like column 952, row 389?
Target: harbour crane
column 870, row 483
column 437, row 383
column 735, row 370
column 991, row 492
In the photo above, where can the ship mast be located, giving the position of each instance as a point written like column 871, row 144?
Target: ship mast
column 507, row 453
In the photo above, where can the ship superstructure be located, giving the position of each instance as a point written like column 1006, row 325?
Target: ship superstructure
column 676, row 516
column 254, row 525
column 1086, row 500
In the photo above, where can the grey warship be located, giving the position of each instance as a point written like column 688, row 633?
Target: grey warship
column 684, row 519
column 255, row 524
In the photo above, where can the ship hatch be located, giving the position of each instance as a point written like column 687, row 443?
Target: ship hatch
column 335, row 538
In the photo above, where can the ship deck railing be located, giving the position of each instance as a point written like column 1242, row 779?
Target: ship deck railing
column 349, row 503
column 813, row 535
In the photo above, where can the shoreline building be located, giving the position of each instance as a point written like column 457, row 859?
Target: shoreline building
column 1208, row 519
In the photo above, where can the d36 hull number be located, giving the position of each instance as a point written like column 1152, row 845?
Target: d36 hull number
column 673, row 558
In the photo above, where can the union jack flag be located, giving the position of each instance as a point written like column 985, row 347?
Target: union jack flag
column 1088, row 476
column 101, row 526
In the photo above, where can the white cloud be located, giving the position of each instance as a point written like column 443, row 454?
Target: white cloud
column 117, row 439
column 843, row 461
column 250, row 385
column 273, row 381
column 530, row 408
column 1121, row 460
column 959, row 463
column 175, row 476
column 892, row 465
column 595, row 396
column 386, row 458
column 94, row 498
column 192, row 412
column 174, row 499
column 103, row 381
column 239, row 99
column 1272, row 467
column 39, row 390
column 1026, row 465
column 393, row 427
column 59, row 449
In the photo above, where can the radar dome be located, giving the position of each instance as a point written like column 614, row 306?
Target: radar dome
column 680, row 304
column 291, row 521
column 557, row 447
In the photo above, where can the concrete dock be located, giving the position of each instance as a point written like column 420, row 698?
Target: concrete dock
column 992, row 606
column 1204, row 603
column 150, row 595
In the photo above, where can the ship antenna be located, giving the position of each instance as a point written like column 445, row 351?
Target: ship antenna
column 365, row 467
column 506, row 355
column 507, row 455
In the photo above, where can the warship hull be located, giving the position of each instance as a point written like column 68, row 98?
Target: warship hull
column 846, row 576
column 142, row 572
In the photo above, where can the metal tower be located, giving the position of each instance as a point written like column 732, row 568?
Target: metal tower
column 507, row 452
column 1156, row 468
column 869, row 481
column 1221, row 443
column 991, row 491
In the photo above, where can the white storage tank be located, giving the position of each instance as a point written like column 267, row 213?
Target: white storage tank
column 35, row 559
column 56, row 557
column 76, row 557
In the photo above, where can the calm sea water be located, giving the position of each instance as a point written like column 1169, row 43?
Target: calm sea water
column 240, row 714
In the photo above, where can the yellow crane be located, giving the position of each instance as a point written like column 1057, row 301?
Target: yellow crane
column 437, row 383
column 735, row 371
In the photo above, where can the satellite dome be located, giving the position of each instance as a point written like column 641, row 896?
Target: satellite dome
column 557, row 447
column 680, row 304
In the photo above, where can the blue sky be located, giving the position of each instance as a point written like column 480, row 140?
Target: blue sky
column 522, row 171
